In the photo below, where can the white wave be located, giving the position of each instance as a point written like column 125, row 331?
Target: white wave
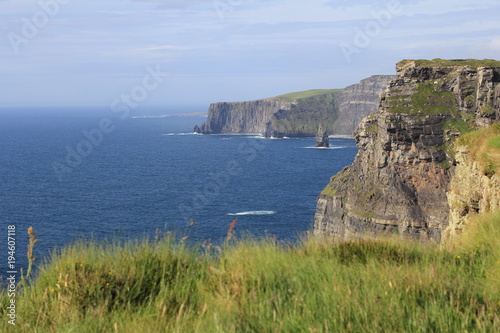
column 254, row 212
column 175, row 134
column 236, row 134
column 325, row 147
column 256, row 137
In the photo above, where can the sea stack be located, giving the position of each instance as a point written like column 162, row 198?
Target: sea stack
column 322, row 140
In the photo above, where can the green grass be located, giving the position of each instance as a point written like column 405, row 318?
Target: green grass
column 445, row 165
column 494, row 142
column 364, row 213
column 457, row 125
column 487, row 111
column 307, row 93
column 452, row 62
column 330, row 191
column 470, row 99
column 261, row 286
column 484, row 147
column 372, row 128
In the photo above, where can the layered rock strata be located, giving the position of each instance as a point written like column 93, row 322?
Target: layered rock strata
column 401, row 175
column 242, row 117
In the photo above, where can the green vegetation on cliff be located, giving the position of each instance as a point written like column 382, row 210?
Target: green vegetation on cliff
column 426, row 100
column 263, row 286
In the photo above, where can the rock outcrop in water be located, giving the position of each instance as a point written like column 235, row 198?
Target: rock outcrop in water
column 401, row 175
column 322, row 140
column 299, row 114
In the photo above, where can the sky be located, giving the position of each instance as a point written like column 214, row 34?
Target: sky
column 196, row 52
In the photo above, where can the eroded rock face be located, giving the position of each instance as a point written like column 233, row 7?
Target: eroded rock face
column 402, row 173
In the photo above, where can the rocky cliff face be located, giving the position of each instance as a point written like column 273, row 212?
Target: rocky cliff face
column 401, row 176
column 340, row 111
column 242, row 117
column 358, row 101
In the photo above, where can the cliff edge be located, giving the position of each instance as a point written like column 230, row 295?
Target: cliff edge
column 401, row 176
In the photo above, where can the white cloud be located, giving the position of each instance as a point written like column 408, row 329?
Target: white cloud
column 495, row 44
column 293, row 38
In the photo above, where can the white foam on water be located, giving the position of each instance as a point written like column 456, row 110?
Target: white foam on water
column 254, row 212
column 324, row 147
column 180, row 134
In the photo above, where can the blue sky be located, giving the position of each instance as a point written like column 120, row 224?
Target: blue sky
column 92, row 52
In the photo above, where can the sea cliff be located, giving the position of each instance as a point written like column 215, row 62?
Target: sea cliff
column 242, row 117
column 298, row 114
column 407, row 160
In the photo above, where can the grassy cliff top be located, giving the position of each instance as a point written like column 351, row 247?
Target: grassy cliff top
column 451, row 62
column 307, row 93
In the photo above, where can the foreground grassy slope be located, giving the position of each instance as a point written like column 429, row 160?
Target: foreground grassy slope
column 261, row 286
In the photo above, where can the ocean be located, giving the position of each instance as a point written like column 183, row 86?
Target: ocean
column 81, row 173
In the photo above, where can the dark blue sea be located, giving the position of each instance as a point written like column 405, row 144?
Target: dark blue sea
column 76, row 173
